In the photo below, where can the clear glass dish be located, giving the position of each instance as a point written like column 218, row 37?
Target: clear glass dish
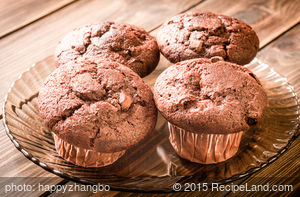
column 153, row 165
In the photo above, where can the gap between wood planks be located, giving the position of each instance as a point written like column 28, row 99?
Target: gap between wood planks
column 279, row 36
column 17, row 28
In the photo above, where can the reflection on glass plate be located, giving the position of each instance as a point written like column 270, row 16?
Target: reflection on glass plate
column 153, row 165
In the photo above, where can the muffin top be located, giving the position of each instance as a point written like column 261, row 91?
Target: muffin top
column 98, row 105
column 197, row 34
column 124, row 43
column 202, row 96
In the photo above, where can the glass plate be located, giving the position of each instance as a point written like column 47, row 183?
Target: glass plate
column 153, row 164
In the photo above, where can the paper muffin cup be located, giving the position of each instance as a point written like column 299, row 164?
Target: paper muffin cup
column 204, row 148
column 84, row 157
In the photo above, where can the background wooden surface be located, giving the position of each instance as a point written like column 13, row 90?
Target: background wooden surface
column 31, row 29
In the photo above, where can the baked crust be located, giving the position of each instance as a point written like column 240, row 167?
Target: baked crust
column 97, row 105
column 200, row 95
column 205, row 34
column 124, row 43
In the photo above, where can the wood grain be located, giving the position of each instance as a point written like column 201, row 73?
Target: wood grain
column 284, row 53
column 17, row 14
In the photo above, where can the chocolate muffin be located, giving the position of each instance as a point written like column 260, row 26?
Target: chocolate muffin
column 208, row 105
column 126, row 44
column 205, row 34
column 97, row 110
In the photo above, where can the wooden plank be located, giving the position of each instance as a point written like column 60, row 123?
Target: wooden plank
column 284, row 56
column 17, row 14
column 284, row 53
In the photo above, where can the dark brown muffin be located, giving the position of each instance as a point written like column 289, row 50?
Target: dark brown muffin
column 218, row 97
column 205, row 34
column 97, row 105
column 208, row 105
column 124, row 43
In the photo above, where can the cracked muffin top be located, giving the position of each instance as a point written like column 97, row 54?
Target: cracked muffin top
column 98, row 105
column 197, row 34
column 204, row 96
column 126, row 44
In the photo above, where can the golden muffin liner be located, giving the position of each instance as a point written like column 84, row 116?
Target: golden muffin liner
column 204, row 148
column 84, row 157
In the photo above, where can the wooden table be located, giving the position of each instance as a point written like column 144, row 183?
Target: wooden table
column 30, row 30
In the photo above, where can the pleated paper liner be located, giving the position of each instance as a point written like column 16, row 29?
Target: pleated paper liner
column 84, row 157
column 153, row 165
column 204, row 148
